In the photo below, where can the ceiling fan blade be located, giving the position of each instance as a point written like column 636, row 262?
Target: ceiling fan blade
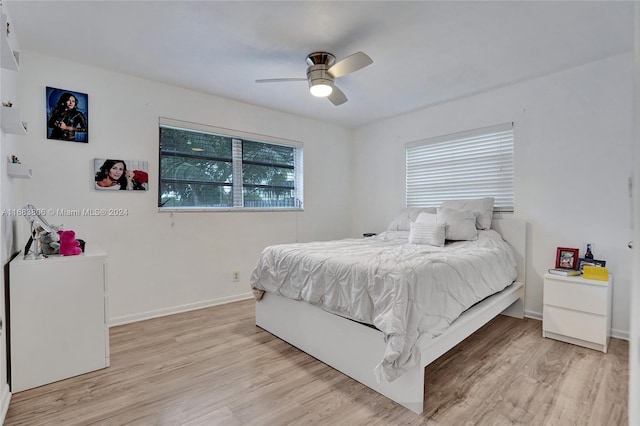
column 350, row 64
column 279, row 80
column 337, row 97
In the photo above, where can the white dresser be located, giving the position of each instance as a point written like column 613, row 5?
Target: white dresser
column 58, row 322
column 577, row 311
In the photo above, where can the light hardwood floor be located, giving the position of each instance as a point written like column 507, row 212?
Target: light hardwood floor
column 215, row 367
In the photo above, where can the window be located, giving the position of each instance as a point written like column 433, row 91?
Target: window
column 473, row 164
column 207, row 168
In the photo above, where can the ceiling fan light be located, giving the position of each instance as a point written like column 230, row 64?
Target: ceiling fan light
column 320, row 89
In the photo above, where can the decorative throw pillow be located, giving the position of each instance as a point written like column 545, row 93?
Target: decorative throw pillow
column 483, row 207
column 428, row 218
column 407, row 215
column 461, row 224
column 424, row 233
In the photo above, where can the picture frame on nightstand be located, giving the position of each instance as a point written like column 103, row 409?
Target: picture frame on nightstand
column 582, row 262
column 567, row 258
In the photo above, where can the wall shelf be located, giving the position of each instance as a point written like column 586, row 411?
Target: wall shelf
column 12, row 121
column 18, row 170
column 10, row 58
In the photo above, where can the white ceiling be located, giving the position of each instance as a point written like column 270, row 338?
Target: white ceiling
column 424, row 52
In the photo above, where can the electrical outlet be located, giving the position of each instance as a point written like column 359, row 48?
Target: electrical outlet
column 236, row 276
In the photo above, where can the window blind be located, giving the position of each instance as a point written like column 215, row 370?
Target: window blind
column 473, row 164
column 209, row 168
column 238, row 196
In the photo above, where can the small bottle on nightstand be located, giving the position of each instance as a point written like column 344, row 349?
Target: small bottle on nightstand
column 588, row 254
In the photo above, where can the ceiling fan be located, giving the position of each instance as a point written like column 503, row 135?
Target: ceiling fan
column 323, row 69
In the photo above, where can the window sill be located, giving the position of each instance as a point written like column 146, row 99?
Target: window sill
column 225, row 209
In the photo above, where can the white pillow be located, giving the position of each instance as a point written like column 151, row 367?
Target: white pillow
column 483, row 207
column 461, row 224
column 425, row 233
column 407, row 215
column 428, row 218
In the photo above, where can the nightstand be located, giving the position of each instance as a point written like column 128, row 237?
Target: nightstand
column 58, row 318
column 577, row 311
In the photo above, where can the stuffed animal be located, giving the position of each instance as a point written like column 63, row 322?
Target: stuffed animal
column 69, row 246
column 49, row 241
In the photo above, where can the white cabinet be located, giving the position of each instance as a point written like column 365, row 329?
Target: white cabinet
column 577, row 311
column 58, row 324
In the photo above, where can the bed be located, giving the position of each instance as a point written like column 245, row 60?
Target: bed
column 344, row 341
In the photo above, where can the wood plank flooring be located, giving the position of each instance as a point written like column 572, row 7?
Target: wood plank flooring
column 213, row 366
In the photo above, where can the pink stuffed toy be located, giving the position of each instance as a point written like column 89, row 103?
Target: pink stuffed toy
column 69, row 246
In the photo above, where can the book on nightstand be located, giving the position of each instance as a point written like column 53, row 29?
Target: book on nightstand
column 564, row 272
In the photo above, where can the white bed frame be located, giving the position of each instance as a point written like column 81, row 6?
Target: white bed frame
column 355, row 349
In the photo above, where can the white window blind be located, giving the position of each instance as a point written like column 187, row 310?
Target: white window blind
column 473, row 164
column 238, row 193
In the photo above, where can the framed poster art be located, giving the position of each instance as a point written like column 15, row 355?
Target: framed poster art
column 124, row 175
column 566, row 258
column 67, row 115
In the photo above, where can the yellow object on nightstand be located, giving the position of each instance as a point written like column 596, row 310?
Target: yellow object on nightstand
column 595, row 273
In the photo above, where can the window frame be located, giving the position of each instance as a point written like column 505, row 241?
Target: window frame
column 237, row 169
column 417, row 189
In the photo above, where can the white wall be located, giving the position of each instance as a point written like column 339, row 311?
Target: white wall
column 162, row 262
column 573, row 159
column 573, row 135
column 634, row 339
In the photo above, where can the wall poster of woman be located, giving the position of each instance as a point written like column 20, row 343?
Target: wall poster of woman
column 67, row 115
column 124, row 175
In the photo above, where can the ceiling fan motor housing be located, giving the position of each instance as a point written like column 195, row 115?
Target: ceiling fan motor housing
column 317, row 74
column 319, row 63
column 318, row 58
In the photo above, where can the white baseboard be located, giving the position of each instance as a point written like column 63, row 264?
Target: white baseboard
column 127, row 319
column 620, row 334
column 533, row 315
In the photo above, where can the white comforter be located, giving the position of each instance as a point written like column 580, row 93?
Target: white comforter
column 404, row 290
